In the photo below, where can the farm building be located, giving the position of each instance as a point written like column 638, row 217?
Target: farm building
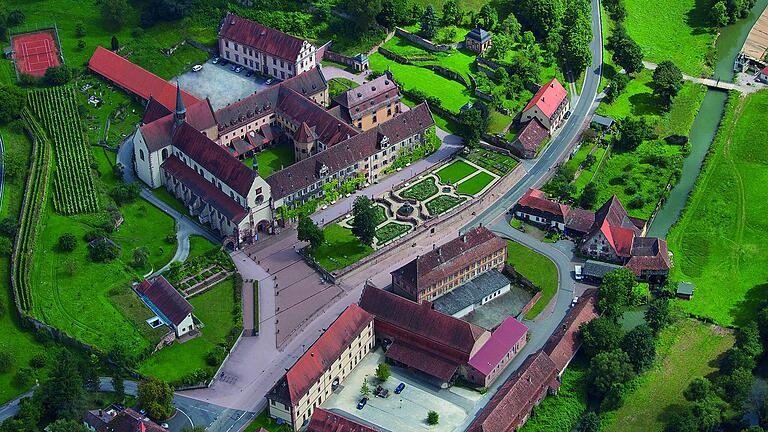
column 169, row 305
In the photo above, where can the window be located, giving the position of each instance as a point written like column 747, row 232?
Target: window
column 226, row 53
column 235, row 47
column 226, row 43
column 274, row 61
column 282, row 64
column 141, row 154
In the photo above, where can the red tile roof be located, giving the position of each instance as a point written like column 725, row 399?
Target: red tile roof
column 262, row 38
column 537, row 200
column 506, row 335
column 165, row 297
column 427, row 269
column 531, row 137
column 620, row 239
column 548, row 97
column 204, row 189
column 326, row 421
column 422, row 360
column 298, row 109
column 619, row 229
column 565, row 341
column 421, row 320
column 214, row 158
column 580, row 220
column 649, row 254
column 764, row 71
column 304, row 134
column 136, row 79
column 509, row 407
column 321, row 355
column 305, row 172
column 129, row 420
column 158, row 133
column 154, row 111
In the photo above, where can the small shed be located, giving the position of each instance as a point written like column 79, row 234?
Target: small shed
column 604, row 122
column 684, row 290
column 360, row 62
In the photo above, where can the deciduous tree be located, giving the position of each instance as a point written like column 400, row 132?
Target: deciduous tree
column 156, row 397
column 614, row 292
column 658, row 314
column 631, row 133
column 12, row 101
column 382, row 372
column 640, row 346
column 609, row 369
column 62, row 396
column 452, row 13
column 364, row 220
column 667, row 81
column 308, row 231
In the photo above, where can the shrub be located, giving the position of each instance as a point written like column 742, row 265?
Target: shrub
column 216, row 356
column 125, row 193
column 6, row 361
column 171, row 239
column 67, row 242
column 58, row 75
column 433, row 418
column 6, row 247
column 24, row 377
column 38, row 361
column 140, row 257
column 95, row 234
column 104, row 250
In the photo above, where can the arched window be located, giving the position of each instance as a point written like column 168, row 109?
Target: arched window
column 165, row 154
column 141, row 154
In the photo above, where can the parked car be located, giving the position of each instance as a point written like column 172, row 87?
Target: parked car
column 381, row 392
column 215, row 60
column 577, row 272
column 249, row 73
column 574, row 301
column 361, row 404
column 269, row 81
column 399, row 389
column 197, row 68
column 223, row 62
column 164, row 426
column 238, row 69
column 233, row 67
column 567, row 114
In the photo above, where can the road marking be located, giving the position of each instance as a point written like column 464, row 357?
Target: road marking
column 238, row 419
column 185, row 415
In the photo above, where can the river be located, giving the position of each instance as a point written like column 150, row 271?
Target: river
column 706, row 122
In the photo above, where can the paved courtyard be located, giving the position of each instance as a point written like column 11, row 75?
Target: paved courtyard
column 219, row 84
column 494, row 312
column 406, row 412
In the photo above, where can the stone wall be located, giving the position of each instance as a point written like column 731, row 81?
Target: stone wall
column 424, row 43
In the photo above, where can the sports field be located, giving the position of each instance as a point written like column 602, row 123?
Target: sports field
column 35, row 52
column 686, row 350
column 720, row 242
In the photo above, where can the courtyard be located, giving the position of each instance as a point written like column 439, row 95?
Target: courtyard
column 404, row 412
column 491, row 314
column 219, row 84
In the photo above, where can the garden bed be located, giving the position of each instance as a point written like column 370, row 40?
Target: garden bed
column 391, row 231
column 495, row 162
column 421, row 190
column 442, row 204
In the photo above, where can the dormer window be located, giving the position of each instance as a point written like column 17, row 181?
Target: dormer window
column 384, row 141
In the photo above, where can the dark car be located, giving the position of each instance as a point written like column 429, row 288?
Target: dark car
column 362, row 403
column 400, row 387
column 567, row 115
column 223, row 62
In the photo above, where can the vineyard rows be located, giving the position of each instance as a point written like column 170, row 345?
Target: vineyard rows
column 57, row 109
column 34, row 197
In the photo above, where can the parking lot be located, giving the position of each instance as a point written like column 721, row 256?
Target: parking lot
column 220, row 84
column 406, row 412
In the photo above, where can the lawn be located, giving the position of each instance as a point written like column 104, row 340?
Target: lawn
column 636, row 100
column 452, row 94
column 163, row 195
column 421, row 190
column 538, row 269
column 498, row 122
column 475, row 184
column 562, row 411
column 122, row 110
column 214, row 308
column 390, row 231
column 337, row 86
column 341, row 248
column 442, row 204
column 672, row 30
column 686, row 350
column 264, row 421
column 495, row 162
column 455, row 171
column 199, row 246
column 581, row 154
column 720, row 243
column 272, row 159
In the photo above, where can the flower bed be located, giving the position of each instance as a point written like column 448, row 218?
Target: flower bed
column 421, row 190
column 495, row 162
column 391, row 231
column 442, row 204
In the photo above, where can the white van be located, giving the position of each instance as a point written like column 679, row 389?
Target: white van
column 577, row 273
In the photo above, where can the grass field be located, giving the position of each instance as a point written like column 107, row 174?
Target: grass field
column 562, row 411
column 455, row 171
column 686, row 350
column 341, row 248
column 272, row 159
column 475, row 184
column 538, row 269
column 459, row 61
column 214, row 309
column 663, row 28
column 452, row 94
column 199, row 246
column 264, row 421
column 720, row 241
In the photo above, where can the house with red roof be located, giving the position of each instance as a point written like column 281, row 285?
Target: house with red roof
column 563, row 344
column 536, row 208
column 264, row 49
column 529, row 140
column 612, row 233
column 327, row 421
column 170, row 306
column 763, row 75
column 492, row 358
column 548, row 105
column 322, row 368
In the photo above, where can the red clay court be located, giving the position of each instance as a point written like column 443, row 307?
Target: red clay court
column 35, row 52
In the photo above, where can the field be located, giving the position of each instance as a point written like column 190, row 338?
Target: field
column 73, row 190
column 459, row 61
column 686, row 350
column 475, row 184
column 538, row 269
column 719, row 243
column 214, row 309
column 421, row 190
column 442, row 204
column 455, row 171
column 341, row 248
column 672, row 30
column 390, row 231
column 561, row 412
column 452, row 94
column 273, row 159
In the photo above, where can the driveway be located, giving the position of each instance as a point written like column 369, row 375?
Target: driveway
column 220, row 84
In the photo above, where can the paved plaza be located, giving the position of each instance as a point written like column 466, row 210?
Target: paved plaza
column 497, row 310
column 219, row 84
column 406, row 412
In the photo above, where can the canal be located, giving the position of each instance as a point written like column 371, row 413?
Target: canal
column 707, row 121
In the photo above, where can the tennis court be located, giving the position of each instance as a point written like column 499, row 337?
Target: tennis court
column 35, row 52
